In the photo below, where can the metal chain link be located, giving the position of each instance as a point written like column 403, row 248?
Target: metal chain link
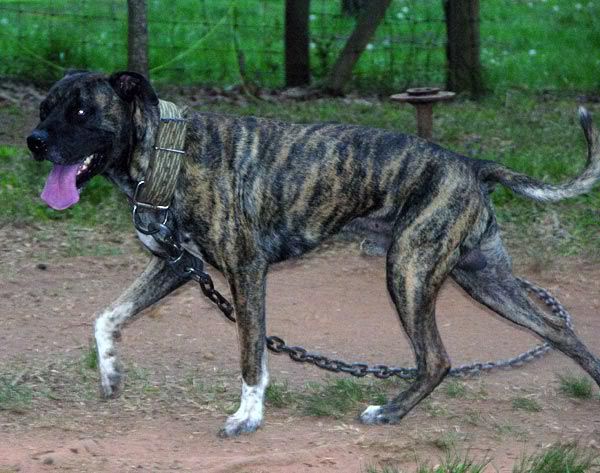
column 208, row 289
column 301, row 355
column 189, row 266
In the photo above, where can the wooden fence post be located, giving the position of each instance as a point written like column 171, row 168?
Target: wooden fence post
column 137, row 36
column 297, row 60
column 463, row 46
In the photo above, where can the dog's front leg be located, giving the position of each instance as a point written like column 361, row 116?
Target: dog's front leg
column 248, row 291
column 153, row 284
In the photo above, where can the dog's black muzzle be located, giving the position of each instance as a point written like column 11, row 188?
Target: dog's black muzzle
column 37, row 142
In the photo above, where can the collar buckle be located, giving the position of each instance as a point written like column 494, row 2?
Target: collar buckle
column 137, row 205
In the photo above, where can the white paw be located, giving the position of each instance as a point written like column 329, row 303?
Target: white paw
column 371, row 415
column 111, row 378
column 249, row 416
column 237, row 425
column 108, row 363
column 381, row 415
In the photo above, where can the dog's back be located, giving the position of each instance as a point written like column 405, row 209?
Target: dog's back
column 297, row 184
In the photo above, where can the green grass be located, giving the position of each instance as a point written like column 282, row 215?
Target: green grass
column 14, row 396
column 452, row 463
column 446, row 441
column 89, row 359
column 559, row 459
column 579, row 387
column 434, row 408
column 455, row 389
column 519, row 47
column 279, row 395
column 337, row 398
column 535, row 45
column 526, row 404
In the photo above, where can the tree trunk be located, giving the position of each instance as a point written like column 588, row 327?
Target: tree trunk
column 369, row 19
column 462, row 47
column 297, row 62
column 137, row 37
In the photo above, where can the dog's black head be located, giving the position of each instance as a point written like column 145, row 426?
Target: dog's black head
column 89, row 124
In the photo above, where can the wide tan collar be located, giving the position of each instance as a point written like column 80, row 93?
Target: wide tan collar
column 157, row 186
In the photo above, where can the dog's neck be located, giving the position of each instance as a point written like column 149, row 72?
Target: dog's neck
column 157, row 160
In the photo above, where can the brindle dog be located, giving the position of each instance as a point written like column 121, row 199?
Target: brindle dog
column 252, row 192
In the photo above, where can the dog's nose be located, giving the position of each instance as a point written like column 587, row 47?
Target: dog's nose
column 38, row 143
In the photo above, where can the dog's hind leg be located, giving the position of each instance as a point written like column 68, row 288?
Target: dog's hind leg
column 248, row 283
column 496, row 287
column 424, row 249
column 152, row 285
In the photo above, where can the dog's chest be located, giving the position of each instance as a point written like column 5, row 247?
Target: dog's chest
column 186, row 242
column 150, row 243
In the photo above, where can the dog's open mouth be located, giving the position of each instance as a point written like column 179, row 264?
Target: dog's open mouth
column 65, row 182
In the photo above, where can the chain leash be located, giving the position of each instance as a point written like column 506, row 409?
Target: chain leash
column 187, row 265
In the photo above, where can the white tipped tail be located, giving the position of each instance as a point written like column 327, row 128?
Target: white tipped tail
column 537, row 190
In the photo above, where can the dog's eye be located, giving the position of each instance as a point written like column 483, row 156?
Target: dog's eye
column 80, row 115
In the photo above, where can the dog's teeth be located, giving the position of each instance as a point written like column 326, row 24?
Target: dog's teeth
column 82, row 169
column 86, row 164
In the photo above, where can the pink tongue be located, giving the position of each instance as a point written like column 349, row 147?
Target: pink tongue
column 60, row 191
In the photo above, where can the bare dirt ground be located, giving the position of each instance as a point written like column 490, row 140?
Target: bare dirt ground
column 334, row 302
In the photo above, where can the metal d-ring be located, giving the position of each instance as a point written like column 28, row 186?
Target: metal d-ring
column 143, row 205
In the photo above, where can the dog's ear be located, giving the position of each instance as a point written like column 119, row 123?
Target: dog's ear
column 135, row 89
column 131, row 85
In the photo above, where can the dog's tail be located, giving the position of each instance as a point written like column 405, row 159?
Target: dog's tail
column 537, row 190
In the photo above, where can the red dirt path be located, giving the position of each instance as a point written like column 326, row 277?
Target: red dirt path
column 334, row 302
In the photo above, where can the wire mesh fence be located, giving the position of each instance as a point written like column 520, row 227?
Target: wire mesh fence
column 221, row 42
